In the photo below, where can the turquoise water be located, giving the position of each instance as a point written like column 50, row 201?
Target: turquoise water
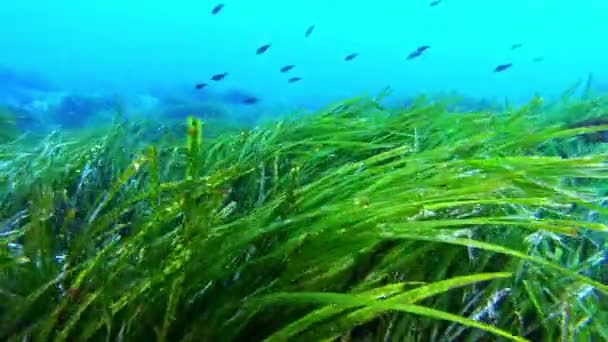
column 138, row 47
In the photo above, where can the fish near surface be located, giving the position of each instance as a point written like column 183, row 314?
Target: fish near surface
column 503, row 67
column 351, row 56
column 309, row 31
column 287, row 68
column 251, row 100
column 294, row 79
column 217, row 8
column 219, row 77
column 516, row 46
column 263, row 49
column 418, row 52
column 414, row 55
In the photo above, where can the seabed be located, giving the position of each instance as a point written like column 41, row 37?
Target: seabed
column 354, row 223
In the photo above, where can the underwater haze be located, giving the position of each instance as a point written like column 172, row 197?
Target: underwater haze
column 137, row 46
column 289, row 170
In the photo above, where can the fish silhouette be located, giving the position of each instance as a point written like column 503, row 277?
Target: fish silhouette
column 263, row 49
column 287, row 68
column 309, row 30
column 217, row 9
column 503, row 67
column 219, row 77
column 351, row 56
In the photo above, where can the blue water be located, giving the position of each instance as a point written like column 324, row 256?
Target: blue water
column 141, row 46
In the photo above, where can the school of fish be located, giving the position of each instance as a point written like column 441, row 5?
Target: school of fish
column 418, row 52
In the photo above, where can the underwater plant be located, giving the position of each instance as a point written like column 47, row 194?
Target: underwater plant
column 356, row 223
column 8, row 125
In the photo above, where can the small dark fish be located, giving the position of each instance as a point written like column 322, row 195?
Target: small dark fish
column 251, row 100
column 294, row 79
column 200, row 86
column 309, row 30
column 219, row 77
column 414, row 55
column 503, row 67
column 238, row 97
column 435, row 3
column 538, row 59
column 217, row 9
column 351, row 56
column 287, row 68
column 263, row 49
column 422, row 48
column 516, row 46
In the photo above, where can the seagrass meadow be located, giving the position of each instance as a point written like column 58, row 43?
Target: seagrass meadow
column 354, row 223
